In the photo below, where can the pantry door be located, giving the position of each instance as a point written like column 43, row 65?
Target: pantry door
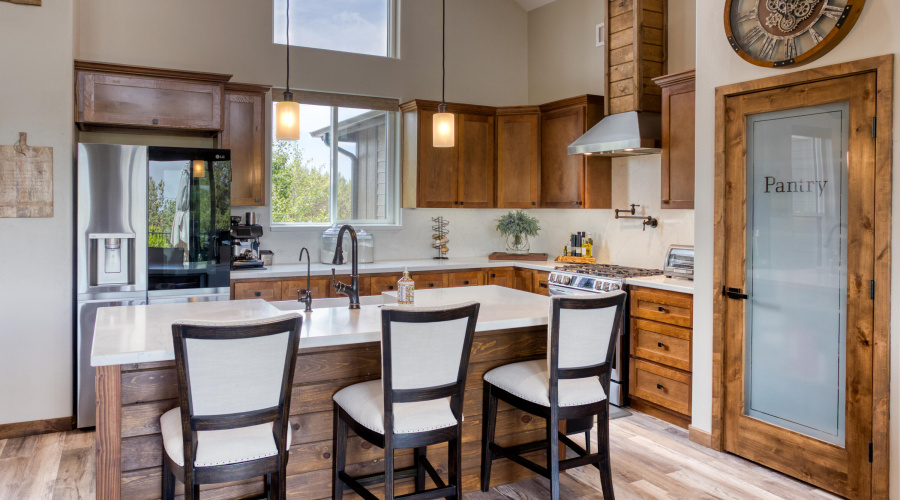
column 799, row 266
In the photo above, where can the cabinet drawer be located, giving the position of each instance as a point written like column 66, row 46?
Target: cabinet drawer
column 523, row 279
column 425, row 281
column 666, row 307
column 661, row 385
column 467, row 278
column 540, row 283
column 501, row 277
column 320, row 288
column 111, row 99
column 665, row 344
column 378, row 284
column 266, row 290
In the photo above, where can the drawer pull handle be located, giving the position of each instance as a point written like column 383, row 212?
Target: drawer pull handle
column 660, row 344
column 661, row 309
column 659, row 386
column 390, row 287
column 466, row 282
column 431, row 285
column 258, row 294
column 493, row 275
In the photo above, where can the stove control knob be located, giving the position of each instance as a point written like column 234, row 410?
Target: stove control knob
column 598, row 285
column 553, row 278
column 567, row 280
column 613, row 287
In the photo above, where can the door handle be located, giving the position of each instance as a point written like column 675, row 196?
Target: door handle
column 734, row 293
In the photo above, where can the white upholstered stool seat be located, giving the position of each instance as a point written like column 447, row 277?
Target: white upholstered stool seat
column 364, row 402
column 530, row 380
column 222, row 447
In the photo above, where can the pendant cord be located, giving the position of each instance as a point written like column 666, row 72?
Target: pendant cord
column 443, row 48
column 287, row 46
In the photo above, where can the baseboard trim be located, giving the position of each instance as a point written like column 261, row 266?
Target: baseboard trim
column 700, row 437
column 22, row 429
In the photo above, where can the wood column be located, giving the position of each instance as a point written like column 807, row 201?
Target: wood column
column 109, row 432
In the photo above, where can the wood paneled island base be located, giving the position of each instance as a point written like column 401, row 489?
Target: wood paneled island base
column 131, row 398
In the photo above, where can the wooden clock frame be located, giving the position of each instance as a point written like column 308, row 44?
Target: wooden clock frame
column 848, row 19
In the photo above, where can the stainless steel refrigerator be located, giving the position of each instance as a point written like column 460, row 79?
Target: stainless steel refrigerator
column 152, row 226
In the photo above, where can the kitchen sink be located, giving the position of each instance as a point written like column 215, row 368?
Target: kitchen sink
column 293, row 305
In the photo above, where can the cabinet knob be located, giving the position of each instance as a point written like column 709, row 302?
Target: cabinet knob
column 155, row 121
column 660, row 344
column 431, row 285
column 256, row 200
column 462, row 203
column 533, row 203
column 390, row 287
column 659, row 386
column 456, row 203
column 664, row 202
column 661, row 309
column 258, row 294
column 466, row 282
column 493, row 275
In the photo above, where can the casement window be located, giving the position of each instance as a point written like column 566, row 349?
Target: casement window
column 357, row 26
column 354, row 179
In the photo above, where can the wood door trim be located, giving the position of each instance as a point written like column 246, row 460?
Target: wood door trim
column 883, row 67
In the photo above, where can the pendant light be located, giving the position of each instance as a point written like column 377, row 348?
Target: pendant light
column 443, row 121
column 287, row 112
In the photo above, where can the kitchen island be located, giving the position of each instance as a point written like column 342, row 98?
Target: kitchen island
column 136, row 383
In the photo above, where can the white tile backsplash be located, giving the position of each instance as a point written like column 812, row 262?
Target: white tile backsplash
column 635, row 180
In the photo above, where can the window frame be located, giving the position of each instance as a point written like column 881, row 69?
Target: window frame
column 393, row 33
column 392, row 175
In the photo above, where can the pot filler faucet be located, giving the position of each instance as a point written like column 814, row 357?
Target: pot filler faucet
column 352, row 290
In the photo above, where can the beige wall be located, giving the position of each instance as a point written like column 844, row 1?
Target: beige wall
column 563, row 59
column 486, row 59
column 682, row 37
column 874, row 34
column 36, row 278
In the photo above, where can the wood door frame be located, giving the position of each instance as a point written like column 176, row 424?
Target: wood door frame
column 883, row 67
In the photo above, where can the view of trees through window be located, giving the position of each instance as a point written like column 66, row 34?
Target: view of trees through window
column 301, row 190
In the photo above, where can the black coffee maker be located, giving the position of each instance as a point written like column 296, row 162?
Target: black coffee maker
column 245, row 244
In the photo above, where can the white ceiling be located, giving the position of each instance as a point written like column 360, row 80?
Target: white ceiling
column 532, row 4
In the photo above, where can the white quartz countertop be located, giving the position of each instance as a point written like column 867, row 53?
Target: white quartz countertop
column 143, row 334
column 663, row 283
column 501, row 308
column 389, row 266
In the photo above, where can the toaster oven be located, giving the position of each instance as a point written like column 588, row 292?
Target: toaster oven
column 679, row 262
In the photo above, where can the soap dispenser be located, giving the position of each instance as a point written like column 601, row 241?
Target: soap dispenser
column 406, row 289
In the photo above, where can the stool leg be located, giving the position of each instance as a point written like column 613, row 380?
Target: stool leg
column 419, row 455
column 168, row 480
column 454, row 464
column 388, row 473
column 488, row 426
column 267, row 486
column 553, row 453
column 587, row 441
column 338, row 453
column 603, row 447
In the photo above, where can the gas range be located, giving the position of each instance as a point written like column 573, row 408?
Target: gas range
column 593, row 278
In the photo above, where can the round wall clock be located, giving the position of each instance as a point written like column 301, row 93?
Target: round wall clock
column 782, row 33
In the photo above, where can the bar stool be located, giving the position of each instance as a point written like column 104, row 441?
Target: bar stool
column 417, row 403
column 572, row 383
column 234, row 390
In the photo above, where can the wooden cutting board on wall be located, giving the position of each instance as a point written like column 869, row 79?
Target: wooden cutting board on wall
column 26, row 180
column 24, row 2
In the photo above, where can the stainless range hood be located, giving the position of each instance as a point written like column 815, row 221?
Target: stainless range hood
column 632, row 133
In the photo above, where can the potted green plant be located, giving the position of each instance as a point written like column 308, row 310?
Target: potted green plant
column 518, row 226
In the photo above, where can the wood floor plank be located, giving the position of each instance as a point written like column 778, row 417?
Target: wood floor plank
column 43, row 466
column 75, row 479
column 19, row 447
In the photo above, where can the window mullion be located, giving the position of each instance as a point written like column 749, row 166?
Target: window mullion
column 334, row 166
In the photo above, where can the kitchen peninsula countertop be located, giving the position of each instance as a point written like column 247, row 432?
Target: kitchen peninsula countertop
column 143, row 334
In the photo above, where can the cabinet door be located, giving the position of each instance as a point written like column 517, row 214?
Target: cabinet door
column 523, row 279
column 562, row 175
column 678, row 146
column 320, row 287
column 110, row 99
column 378, row 284
column 244, row 135
column 465, row 278
column 540, row 283
column 518, row 161
column 476, row 161
column 501, row 277
column 437, row 170
column 426, row 281
column 266, row 290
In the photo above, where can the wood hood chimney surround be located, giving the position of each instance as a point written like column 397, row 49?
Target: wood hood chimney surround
column 636, row 48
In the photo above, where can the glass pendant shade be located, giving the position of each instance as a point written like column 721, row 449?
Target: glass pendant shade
column 287, row 121
column 443, row 130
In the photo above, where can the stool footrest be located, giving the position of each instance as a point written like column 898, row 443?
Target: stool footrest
column 358, row 484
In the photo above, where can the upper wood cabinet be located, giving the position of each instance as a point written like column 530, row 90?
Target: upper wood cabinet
column 111, row 95
column 518, row 157
column 677, row 139
column 244, row 134
column 461, row 176
column 572, row 181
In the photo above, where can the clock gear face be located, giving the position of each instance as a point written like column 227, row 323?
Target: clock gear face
column 780, row 33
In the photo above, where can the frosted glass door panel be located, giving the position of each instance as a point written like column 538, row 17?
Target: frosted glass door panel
column 797, row 270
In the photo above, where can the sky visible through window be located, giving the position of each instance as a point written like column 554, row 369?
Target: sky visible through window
column 359, row 26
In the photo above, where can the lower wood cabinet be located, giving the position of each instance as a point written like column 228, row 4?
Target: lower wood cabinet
column 320, row 287
column 523, row 279
column 379, row 284
column 465, row 278
column 501, row 277
column 428, row 280
column 540, row 282
column 266, row 290
column 661, row 359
